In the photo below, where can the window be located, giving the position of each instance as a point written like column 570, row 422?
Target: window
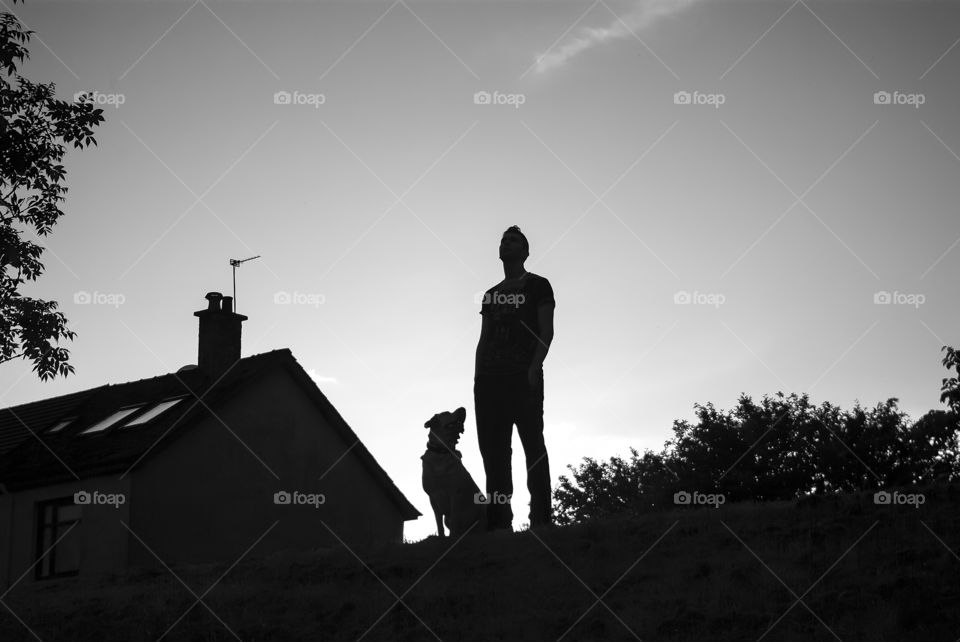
column 58, row 542
column 154, row 412
column 60, row 425
column 112, row 419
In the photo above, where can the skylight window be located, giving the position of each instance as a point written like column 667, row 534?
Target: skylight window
column 112, row 419
column 154, row 412
column 61, row 425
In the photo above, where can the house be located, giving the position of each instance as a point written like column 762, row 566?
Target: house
column 232, row 456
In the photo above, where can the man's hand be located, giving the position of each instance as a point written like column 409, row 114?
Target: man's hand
column 535, row 376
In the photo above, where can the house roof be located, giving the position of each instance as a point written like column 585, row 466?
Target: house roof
column 31, row 457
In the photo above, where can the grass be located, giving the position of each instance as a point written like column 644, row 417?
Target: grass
column 863, row 571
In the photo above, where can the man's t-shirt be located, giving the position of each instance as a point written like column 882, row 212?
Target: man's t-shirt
column 515, row 328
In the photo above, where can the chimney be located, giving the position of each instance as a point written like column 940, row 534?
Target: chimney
column 219, row 346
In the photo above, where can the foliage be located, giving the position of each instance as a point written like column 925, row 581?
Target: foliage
column 34, row 130
column 781, row 448
column 950, row 389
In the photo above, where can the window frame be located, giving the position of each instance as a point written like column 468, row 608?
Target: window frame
column 133, row 410
column 59, row 526
column 60, row 425
column 134, row 421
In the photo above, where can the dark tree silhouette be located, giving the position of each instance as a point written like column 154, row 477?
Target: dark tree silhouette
column 950, row 390
column 617, row 487
column 34, row 127
column 781, row 448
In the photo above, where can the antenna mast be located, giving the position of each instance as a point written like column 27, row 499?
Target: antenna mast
column 235, row 263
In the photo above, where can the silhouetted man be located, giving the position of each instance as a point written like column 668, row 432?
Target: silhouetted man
column 508, row 384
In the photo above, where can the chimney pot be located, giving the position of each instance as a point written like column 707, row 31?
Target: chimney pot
column 213, row 299
column 226, row 304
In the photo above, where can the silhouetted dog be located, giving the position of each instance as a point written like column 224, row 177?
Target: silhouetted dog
column 454, row 496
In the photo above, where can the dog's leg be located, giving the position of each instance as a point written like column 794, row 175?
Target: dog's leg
column 438, row 514
column 482, row 516
column 466, row 510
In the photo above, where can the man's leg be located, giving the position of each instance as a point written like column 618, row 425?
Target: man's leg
column 530, row 428
column 494, row 432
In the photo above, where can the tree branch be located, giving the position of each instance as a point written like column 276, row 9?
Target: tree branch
column 11, row 358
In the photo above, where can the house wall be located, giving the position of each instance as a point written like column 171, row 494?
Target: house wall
column 103, row 537
column 209, row 496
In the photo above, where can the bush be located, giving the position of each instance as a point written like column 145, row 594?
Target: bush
column 782, row 448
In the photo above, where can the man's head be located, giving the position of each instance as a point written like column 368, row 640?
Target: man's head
column 514, row 245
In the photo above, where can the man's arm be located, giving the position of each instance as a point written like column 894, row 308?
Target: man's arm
column 482, row 343
column 545, row 319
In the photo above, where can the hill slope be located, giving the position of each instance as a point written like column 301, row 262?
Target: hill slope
column 863, row 571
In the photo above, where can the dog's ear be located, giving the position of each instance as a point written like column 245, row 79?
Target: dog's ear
column 460, row 414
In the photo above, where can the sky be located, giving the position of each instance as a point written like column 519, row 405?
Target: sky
column 727, row 197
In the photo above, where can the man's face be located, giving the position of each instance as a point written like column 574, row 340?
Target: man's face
column 511, row 247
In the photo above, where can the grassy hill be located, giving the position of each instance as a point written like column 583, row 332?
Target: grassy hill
column 863, row 571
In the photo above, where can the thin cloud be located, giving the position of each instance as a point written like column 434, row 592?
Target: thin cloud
column 644, row 15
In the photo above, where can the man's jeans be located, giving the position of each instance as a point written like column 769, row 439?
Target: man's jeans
column 502, row 401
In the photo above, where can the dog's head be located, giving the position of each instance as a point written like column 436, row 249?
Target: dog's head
column 445, row 429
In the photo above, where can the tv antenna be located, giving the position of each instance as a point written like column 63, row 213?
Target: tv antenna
column 235, row 263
